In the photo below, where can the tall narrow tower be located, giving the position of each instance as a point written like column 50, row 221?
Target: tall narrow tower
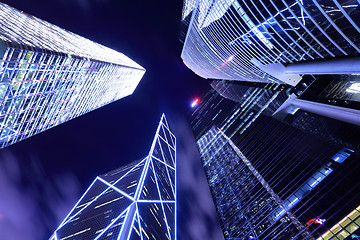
column 49, row 75
column 137, row 201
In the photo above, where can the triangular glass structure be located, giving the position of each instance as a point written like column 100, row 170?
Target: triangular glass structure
column 153, row 221
column 172, row 178
column 95, row 213
column 96, row 189
column 150, row 189
column 135, row 202
column 117, row 174
column 113, row 229
column 136, row 229
column 128, row 182
column 163, row 181
column 169, row 209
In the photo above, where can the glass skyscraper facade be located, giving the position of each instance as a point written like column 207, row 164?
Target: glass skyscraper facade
column 266, row 98
column 338, row 90
column 137, row 201
column 270, row 180
column 253, row 40
column 246, row 105
column 49, row 75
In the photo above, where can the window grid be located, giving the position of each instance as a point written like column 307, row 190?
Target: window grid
column 49, row 76
column 224, row 37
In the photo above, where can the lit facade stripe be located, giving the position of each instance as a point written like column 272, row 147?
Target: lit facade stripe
column 49, row 76
column 270, row 32
column 310, row 184
column 138, row 216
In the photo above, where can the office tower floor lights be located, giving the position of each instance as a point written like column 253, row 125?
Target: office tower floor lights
column 270, row 180
column 49, row 75
column 137, row 201
column 270, row 41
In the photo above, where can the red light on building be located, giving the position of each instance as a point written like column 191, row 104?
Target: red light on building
column 195, row 102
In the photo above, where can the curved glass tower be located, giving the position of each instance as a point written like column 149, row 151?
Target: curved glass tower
column 49, row 75
column 249, row 40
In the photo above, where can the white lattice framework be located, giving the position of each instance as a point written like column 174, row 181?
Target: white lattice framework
column 137, row 201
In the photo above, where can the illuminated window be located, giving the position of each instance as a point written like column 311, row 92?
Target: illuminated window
column 59, row 81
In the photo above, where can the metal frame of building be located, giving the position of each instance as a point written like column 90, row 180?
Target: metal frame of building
column 137, row 201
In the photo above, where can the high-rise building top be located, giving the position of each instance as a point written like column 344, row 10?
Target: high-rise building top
column 136, row 202
column 18, row 28
column 259, row 41
column 49, row 75
column 270, row 180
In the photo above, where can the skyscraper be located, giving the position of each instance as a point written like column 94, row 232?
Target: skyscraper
column 249, row 103
column 332, row 96
column 279, row 43
column 269, row 98
column 137, row 201
column 272, row 41
column 270, row 180
column 49, row 75
column 266, row 98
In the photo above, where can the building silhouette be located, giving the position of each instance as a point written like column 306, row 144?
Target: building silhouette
column 271, row 180
column 272, row 42
column 285, row 72
column 49, row 75
column 137, row 201
column 264, row 98
column 223, row 103
column 279, row 43
column 267, row 99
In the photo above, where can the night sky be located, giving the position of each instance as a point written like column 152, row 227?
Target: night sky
column 42, row 177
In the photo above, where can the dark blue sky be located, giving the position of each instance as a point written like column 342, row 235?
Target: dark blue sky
column 45, row 174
